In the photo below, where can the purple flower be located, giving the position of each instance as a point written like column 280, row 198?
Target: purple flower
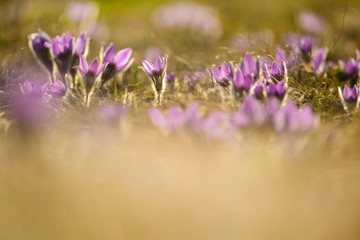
column 275, row 70
column 31, row 114
column 294, row 120
column 156, row 73
column 311, row 23
column 62, row 50
column 276, row 90
column 252, row 113
column 306, row 45
column 95, row 69
column 111, row 113
column 193, row 78
column 218, row 126
column 242, row 83
column 351, row 67
column 170, row 78
column 319, row 60
column 38, row 43
column 177, row 118
column 57, row 89
column 171, row 123
column 258, row 91
column 35, row 90
column 222, row 75
column 116, row 62
column 351, row 95
column 80, row 44
column 89, row 74
column 249, row 66
column 80, row 48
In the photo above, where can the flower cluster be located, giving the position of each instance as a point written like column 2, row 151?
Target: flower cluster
column 259, row 78
column 64, row 56
column 252, row 113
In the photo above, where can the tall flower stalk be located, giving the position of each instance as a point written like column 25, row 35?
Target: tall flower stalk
column 157, row 76
column 90, row 75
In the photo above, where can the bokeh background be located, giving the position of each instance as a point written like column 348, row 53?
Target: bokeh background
column 130, row 23
column 80, row 183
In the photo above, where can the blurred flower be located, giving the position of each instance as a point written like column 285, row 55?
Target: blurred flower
column 318, row 61
column 276, row 90
column 35, row 90
column 223, row 75
column 111, row 113
column 193, row 78
column 311, row 22
column 38, row 45
column 248, row 66
column 80, row 45
column 259, row 91
column 251, row 113
column 80, row 48
column 116, row 62
column 170, row 78
column 289, row 118
column 351, row 67
column 275, row 70
column 242, row 83
column 83, row 11
column 57, row 89
column 151, row 53
column 176, row 118
column 198, row 19
column 30, row 114
column 218, row 126
column 306, row 45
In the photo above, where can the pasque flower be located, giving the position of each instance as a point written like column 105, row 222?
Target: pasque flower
column 38, row 43
column 311, row 22
column 258, row 91
column 318, row 61
column 89, row 75
column 276, row 90
column 351, row 67
column 290, row 118
column 223, row 75
column 242, row 83
column 35, row 90
column 111, row 112
column 306, row 45
column 66, row 51
column 116, row 62
column 57, row 89
column 349, row 97
column 80, row 48
column 157, row 74
column 249, row 67
column 62, row 50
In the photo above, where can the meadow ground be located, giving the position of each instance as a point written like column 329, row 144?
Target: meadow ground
column 71, row 171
